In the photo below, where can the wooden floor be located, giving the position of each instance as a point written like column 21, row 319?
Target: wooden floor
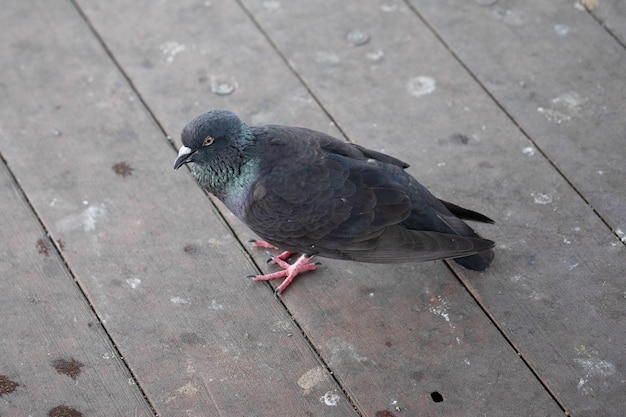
column 123, row 288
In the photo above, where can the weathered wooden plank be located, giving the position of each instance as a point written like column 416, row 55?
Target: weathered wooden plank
column 397, row 336
column 159, row 266
column 567, row 92
column 54, row 355
column 560, row 75
column 556, row 287
column 196, row 56
column 391, row 342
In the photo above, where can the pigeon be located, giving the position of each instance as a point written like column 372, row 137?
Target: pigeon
column 306, row 192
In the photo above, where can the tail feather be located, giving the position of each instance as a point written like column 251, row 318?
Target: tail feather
column 466, row 214
column 478, row 262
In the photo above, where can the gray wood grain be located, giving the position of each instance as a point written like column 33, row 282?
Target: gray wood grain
column 387, row 340
column 556, row 284
column 164, row 272
column 611, row 13
column 54, row 354
column 559, row 74
column 161, row 269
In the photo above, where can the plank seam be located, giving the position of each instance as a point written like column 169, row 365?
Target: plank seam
column 147, row 108
column 459, row 275
column 171, row 143
column 509, row 116
column 152, row 115
column 123, row 73
column 605, row 27
column 462, row 279
column 59, row 253
column 293, row 70
column 318, row 101
column 321, row 360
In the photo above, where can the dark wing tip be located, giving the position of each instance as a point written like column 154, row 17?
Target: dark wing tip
column 382, row 157
column 466, row 214
column 478, row 262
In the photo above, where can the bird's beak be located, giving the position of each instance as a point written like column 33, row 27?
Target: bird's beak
column 185, row 155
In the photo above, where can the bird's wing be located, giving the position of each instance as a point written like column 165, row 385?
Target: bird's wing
column 466, row 214
column 382, row 157
column 313, row 189
column 398, row 244
column 320, row 195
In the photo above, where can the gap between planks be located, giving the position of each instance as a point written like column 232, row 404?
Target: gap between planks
column 302, row 81
column 458, row 274
column 82, row 291
column 170, row 141
column 607, row 30
column 512, row 118
column 465, row 282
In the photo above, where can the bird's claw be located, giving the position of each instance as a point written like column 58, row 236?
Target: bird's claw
column 289, row 272
column 262, row 244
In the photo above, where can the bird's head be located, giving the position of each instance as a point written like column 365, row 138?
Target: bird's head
column 210, row 136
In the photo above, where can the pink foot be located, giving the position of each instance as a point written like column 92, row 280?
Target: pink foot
column 289, row 271
column 262, row 244
column 282, row 257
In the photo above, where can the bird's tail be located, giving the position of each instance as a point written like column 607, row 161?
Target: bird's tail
column 478, row 262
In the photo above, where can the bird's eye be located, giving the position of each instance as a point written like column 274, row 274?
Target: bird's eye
column 208, row 140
